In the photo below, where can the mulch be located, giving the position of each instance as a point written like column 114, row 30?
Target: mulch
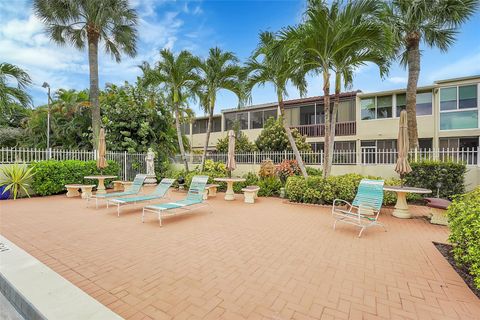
column 446, row 251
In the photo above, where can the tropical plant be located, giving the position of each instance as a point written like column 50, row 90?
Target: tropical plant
column 287, row 168
column 88, row 23
column 14, row 94
column 432, row 22
column 337, row 39
column 175, row 74
column 16, row 178
column 273, row 137
column 271, row 64
column 220, row 70
column 242, row 143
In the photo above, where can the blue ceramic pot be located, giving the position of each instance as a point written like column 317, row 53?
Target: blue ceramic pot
column 4, row 196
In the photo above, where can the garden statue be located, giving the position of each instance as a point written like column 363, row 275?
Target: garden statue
column 267, row 169
column 149, row 159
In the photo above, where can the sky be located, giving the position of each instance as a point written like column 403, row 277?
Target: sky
column 198, row 26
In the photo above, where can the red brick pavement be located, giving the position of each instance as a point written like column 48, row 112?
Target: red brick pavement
column 270, row 260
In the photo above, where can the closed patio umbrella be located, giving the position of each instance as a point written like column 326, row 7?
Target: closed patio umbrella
column 102, row 151
column 403, row 167
column 231, row 165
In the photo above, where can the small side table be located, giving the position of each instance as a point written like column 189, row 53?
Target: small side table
column 401, row 207
column 101, row 182
column 229, row 194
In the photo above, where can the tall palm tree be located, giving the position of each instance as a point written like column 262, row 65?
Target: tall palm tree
column 270, row 64
column 177, row 75
column 433, row 22
column 87, row 23
column 220, row 70
column 14, row 94
column 335, row 40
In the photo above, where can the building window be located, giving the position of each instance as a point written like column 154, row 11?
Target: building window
column 462, row 149
column 217, row 124
column 458, row 107
column 200, row 126
column 307, row 115
column 424, row 103
column 368, row 109
column 258, row 118
column 379, row 151
column 384, row 107
column 236, row 117
column 459, row 143
column 425, row 143
column 185, row 128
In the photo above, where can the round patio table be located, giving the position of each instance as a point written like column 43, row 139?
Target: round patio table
column 229, row 195
column 401, row 207
column 101, row 182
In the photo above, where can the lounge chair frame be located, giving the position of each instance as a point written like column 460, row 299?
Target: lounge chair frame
column 158, row 194
column 137, row 182
column 193, row 201
column 365, row 209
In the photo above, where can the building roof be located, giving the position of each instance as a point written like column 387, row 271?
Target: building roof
column 294, row 102
column 458, row 79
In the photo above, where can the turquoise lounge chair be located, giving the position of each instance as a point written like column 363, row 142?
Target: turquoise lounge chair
column 160, row 192
column 134, row 189
column 365, row 208
column 193, row 198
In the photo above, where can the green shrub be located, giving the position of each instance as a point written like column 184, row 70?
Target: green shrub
column 274, row 138
column 269, row 187
column 50, row 177
column 464, row 221
column 251, row 179
column 314, row 172
column 295, row 188
column 426, row 174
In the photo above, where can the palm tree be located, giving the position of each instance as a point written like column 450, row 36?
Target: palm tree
column 433, row 22
column 88, row 23
column 336, row 40
column 13, row 94
column 177, row 75
column 270, row 64
column 220, row 70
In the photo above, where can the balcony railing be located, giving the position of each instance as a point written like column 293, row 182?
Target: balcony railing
column 348, row 128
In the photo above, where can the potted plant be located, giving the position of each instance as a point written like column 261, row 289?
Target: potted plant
column 14, row 180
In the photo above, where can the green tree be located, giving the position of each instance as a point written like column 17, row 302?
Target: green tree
column 432, row 22
column 335, row 40
column 13, row 94
column 178, row 77
column 274, row 138
column 271, row 64
column 242, row 143
column 88, row 23
column 219, row 71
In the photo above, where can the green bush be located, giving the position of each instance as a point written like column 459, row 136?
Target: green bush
column 295, row 188
column 314, row 172
column 426, row 174
column 51, row 176
column 251, row 179
column 269, row 187
column 274, row 138
column 464, row 221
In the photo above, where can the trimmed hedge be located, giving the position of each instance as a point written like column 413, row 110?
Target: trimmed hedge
column 51, row 176
column 318, row 190
column 426, row 174
column 464, row 221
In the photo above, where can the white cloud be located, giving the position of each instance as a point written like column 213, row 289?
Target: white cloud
column 467, row 66
column 397, row 80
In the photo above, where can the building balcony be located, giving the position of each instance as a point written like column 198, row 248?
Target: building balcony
column 348, row 128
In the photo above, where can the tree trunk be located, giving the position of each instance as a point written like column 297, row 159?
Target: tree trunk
column 413, row 60
column 209, row 130
column 333, row 122
column 95, row 105
column 326, row 106
column 179, row 137
column 293, row 144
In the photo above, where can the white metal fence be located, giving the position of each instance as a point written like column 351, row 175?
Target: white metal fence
column 366, row 156
column 130, row 163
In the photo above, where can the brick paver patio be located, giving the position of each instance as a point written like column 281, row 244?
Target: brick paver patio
column 270, row 260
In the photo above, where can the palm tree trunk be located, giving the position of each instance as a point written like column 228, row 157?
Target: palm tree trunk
column 326, row 106
column 293, row 144
column 179, row 137
column 207, row 137
column 95, row 105
column 413, row 60
column 333, row 121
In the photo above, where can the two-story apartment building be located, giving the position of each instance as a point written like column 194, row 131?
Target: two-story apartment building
column 447, row 114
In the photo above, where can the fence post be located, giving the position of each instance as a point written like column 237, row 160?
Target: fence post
column 478, row 156
column 416, row 155
column 49, row 153
column 254, row 157
column 125, row 166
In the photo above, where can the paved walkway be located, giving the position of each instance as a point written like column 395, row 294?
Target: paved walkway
column 270, row 260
